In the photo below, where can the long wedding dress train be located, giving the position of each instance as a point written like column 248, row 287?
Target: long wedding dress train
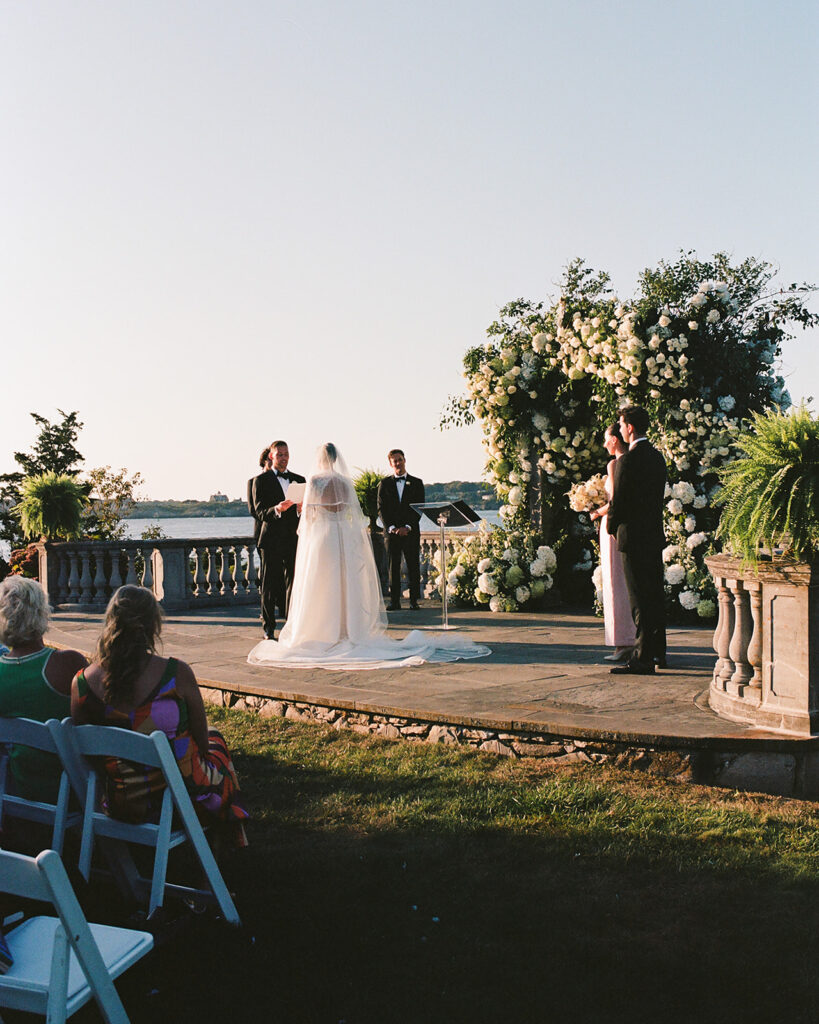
column 337, row 618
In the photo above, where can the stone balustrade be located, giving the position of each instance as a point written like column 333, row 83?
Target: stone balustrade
column 182, row 573
column 218, row 571
column 767, row 644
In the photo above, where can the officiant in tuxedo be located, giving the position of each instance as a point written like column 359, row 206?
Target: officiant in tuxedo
column 275, row 531
column 635, row 518
column 396, row 493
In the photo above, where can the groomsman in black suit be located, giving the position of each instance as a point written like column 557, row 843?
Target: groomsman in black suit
column 277, row 521
column 636, row 520
column 395, row 495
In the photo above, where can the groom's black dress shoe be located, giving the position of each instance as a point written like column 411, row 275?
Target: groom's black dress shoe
column 393, row 607
column 414, row 606
column 632, row 668
column 661, row 662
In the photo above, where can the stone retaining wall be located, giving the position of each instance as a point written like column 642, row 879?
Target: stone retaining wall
column 777, row 773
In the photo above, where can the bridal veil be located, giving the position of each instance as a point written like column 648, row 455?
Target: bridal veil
column 337, row 617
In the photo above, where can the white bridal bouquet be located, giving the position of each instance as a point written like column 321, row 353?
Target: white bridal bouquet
column 588, row 495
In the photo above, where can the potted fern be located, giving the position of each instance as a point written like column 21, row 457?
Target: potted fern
column 51, row 506
column 770, row 493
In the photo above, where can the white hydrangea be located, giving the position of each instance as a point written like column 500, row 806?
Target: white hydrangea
column 522, row 595
column 670, row 553
column 726, row 403
column 713, row 316
column 674, row 507
column 695, row 540
column 484, row 565
column 690, row 524
column 487, row 584
column 689, row 599
column 548, row 557
column 684, row 491
column 597, row 579
column 674, row 575
column 496, row 604
column 515, row 497
column 700, row 501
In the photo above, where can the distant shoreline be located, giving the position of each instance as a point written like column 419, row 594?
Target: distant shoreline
column 464, row 490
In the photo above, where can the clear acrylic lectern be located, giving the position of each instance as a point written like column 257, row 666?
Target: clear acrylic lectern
column 452, row 513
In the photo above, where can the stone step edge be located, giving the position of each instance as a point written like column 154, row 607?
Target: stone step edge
column 775, row 772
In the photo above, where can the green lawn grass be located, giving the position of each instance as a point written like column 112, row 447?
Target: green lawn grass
column 392, row 882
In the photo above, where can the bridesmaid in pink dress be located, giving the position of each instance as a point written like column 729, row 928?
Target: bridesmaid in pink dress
column 619, row 624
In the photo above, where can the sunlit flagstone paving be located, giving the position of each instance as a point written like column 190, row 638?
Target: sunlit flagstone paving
column 546, row 673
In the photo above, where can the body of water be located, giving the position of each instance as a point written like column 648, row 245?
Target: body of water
column 222, row 526
column 196, row 527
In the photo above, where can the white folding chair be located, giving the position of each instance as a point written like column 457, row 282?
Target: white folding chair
column 80, row 746
column 61, row 962
column 38, row 735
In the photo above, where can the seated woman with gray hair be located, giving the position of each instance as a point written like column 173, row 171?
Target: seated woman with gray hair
column 35, row 681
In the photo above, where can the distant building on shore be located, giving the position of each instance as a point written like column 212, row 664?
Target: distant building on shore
column 219, row 497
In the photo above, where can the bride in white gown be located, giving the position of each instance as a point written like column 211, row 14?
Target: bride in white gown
column 337, row 618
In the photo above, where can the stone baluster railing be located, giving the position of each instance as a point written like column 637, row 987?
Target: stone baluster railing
column 182, row 573
column 766, row 639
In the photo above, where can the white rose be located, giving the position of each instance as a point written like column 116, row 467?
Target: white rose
column 515, row 496
column 713, row 316
column 693, row 325
column 664, row 321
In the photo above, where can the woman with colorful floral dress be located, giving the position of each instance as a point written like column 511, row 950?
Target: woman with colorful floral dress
column 130, row 686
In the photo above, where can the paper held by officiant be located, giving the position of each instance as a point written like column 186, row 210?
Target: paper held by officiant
column 295, row 493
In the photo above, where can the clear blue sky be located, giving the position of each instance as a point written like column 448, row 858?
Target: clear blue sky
column 227, row 222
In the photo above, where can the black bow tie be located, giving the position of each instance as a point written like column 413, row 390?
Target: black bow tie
column 401, row 478
column 283, row 476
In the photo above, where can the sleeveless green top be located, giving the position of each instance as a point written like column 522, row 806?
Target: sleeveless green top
column 26, row 693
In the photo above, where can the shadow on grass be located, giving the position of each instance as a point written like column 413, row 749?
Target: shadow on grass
column 384, row 883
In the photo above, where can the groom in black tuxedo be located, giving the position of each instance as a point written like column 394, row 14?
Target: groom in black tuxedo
column 395, row 495
column 636, row 520
column 277, row 521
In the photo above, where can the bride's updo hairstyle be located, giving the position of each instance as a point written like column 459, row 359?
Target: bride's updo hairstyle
column 327, row 455
column 133, row 622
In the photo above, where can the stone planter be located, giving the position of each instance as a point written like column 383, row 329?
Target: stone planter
column 767, row 644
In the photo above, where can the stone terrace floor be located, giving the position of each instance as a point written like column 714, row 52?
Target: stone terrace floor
column 545, row 674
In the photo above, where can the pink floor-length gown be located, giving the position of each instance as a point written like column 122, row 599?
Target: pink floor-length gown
column 619, row 625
